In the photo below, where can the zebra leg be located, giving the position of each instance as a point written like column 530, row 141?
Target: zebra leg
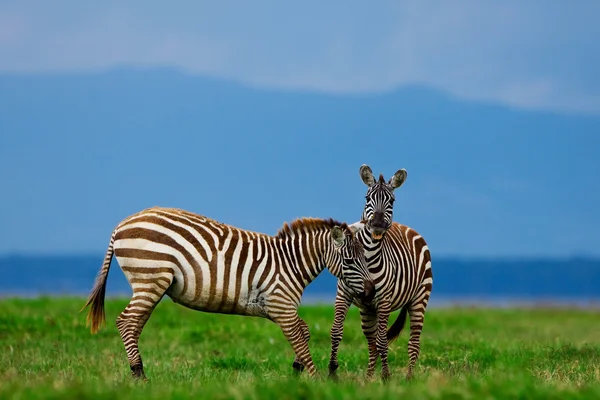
column 416, row 312
column 369, row 326
column 383, row 316
column 292, row 327
column 132, row 320
column 297, row 365
column 342, row 304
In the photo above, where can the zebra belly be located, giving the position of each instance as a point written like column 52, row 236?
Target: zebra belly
column 203, row 286
column 250, row 304
column 215, row 297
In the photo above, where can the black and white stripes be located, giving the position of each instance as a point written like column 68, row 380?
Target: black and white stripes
column 209, row 266
column 400, row 264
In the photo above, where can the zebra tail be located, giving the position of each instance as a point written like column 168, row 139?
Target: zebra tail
column 394, row 331
column 96, row 316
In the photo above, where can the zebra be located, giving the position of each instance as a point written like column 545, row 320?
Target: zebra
column 400, row 263
column 209, row 266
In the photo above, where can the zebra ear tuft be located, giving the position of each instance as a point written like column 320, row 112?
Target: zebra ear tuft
column 338, row 235
column 366, row 174
column 398, row 178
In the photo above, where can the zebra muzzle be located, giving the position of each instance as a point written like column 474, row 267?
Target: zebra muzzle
column 368, row 292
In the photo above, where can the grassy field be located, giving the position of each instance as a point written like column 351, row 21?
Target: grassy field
column 47, row 352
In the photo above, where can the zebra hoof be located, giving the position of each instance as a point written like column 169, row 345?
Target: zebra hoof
column 298, row 367
column 137, row 371
column 385, row 377
column 333, row 366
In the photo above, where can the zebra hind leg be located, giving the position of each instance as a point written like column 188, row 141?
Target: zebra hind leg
column 293, row 328
column 297, row 365
column 132, row 320
column 417, row 314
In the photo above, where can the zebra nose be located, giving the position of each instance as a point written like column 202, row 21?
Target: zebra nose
column 378, row 220
column 369, row 291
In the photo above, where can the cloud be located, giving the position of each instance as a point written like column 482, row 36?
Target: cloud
column 536, row 54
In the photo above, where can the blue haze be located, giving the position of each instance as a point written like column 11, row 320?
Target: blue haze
column 79, row 152
column 506, row 198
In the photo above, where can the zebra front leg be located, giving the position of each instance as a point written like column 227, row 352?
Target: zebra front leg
column 383, row 316
column 342, row 304
column 132, row 320
column 297, row 364
column 417, row 315
column 368, row 321
column 292, row 327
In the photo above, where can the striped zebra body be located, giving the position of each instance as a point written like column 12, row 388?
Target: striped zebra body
column 399, row 262
column 209, row 266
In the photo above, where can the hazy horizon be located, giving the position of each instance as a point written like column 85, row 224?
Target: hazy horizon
column 85, row 151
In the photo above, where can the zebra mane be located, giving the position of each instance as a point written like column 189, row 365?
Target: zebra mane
column 307, row 224
column 381, row 179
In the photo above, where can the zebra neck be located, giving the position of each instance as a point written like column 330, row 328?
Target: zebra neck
column 372, row 247
column 301, row 263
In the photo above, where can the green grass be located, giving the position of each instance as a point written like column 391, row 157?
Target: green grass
column 47, row 352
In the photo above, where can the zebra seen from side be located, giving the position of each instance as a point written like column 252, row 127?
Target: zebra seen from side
column 399, row 262
column 210, row 266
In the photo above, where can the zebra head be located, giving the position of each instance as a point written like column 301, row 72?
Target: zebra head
column 354, row 271
column 379, row 206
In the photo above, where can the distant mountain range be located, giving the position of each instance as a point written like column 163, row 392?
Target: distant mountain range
column 79, row 152
column 454, row 279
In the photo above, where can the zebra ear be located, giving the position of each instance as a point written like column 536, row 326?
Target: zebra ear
column 338, row 235
column 366, row 175
column 357, row 226
column 398, row 178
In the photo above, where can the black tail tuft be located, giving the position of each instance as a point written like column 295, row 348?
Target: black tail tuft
column 95, row 316
column 394, row 331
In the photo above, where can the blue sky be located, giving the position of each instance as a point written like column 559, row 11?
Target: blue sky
column 259, row 113
column 534, row 54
